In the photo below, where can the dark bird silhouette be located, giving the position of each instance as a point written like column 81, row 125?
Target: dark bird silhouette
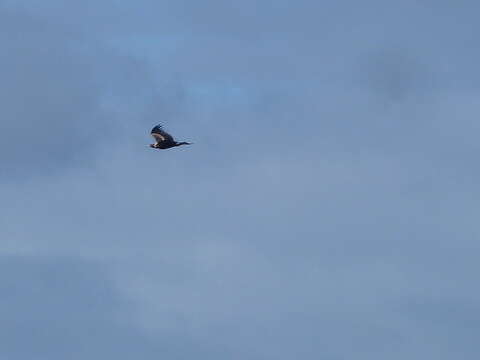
column 163, row 139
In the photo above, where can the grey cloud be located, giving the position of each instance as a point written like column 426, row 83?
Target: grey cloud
column 58, row 90
column 65, row 308
column 327, row 207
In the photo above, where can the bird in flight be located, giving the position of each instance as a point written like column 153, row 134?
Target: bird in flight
column 163, row 139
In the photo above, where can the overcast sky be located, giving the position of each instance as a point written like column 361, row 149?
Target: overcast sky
column 328, row 208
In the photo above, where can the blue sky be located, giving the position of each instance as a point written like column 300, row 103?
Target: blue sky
column 327, row 209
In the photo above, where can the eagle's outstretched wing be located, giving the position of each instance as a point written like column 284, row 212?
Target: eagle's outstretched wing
column 160, row 135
